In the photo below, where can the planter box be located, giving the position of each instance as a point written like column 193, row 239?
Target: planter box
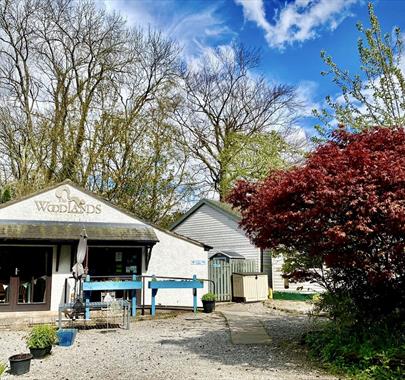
column 66, row 337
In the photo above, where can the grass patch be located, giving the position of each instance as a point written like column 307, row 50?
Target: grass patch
column 372, row 353
column 290, row 296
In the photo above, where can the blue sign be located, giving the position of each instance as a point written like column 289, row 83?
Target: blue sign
column 198, row 262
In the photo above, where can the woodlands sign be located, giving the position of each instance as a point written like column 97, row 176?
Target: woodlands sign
column 67, row 204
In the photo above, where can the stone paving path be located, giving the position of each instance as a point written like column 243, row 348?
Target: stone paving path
column 245, row 328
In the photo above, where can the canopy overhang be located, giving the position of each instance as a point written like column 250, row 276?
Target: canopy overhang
column 70, row 231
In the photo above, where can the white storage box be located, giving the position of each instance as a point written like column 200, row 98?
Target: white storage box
column 249, row 287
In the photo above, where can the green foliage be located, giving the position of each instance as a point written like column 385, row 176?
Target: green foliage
column 209, row 297
column 5, row 194
column 376, row 95
column 3, row 368
column 338, row 306
column 339, row 222
column 373, row 352
column 252, row 157
column 41, row 336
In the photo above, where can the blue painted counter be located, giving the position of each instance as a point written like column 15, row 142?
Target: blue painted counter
column 175, row 284
column 89, row 286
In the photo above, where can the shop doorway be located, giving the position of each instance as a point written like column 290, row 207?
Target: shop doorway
column 25, row 278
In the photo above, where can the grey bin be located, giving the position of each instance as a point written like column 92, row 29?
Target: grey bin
column 249, row 287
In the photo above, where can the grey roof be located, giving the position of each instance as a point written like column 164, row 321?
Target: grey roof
column 229, row 254
column 39, row 230
column 224, row 208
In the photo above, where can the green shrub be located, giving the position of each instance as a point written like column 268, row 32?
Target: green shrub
column 209, row 297
column 41, row 336
column 373, row 352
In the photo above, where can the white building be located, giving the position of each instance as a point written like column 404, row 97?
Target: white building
column 216, row 224
column 39, row 236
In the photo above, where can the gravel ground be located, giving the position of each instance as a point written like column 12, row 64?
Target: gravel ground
column 175, row 348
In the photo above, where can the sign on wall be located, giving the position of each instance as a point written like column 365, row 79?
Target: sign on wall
column 66, row 203
column 198, row 262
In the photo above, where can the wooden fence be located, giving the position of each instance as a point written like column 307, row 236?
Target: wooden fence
column 220, row 272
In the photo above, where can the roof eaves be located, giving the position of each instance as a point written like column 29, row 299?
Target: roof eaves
column 108, row 203
column 209, row 203
column 187, row 214
column 223, row 210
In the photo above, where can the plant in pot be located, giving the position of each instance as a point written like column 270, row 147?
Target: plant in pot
column 208, row 301
column 40, row 340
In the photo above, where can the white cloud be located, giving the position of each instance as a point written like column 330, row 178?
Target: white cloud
column 306, row 93
column 135, row 12
column 297, row 21
column 192, row 28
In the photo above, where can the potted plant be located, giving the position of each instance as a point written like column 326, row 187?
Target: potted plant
column 20, row 364
column 208, row 301
column 40, row 340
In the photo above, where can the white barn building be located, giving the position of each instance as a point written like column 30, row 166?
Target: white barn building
column 38, row 241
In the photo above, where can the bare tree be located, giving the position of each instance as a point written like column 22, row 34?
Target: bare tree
column 79, row 99
column 224, row 99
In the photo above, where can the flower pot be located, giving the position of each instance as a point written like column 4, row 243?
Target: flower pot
column 39, row 353
column 209, row 306
column 20, row 364
column 66, row 337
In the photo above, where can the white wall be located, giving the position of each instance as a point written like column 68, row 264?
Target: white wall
column 213, row 228
column 173, row 256
column 278, row 280
column 30, row 209
column 58, row 278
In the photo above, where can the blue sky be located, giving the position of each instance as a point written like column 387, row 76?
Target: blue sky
column 290, row 34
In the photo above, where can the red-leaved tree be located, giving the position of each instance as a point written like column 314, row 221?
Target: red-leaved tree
column 340, row 218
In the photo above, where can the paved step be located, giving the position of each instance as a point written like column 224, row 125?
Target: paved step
column 246, row 328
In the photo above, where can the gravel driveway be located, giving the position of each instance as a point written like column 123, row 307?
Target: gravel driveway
column 175, row 348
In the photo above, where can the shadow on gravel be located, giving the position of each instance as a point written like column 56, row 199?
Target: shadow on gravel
column 284, row 351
